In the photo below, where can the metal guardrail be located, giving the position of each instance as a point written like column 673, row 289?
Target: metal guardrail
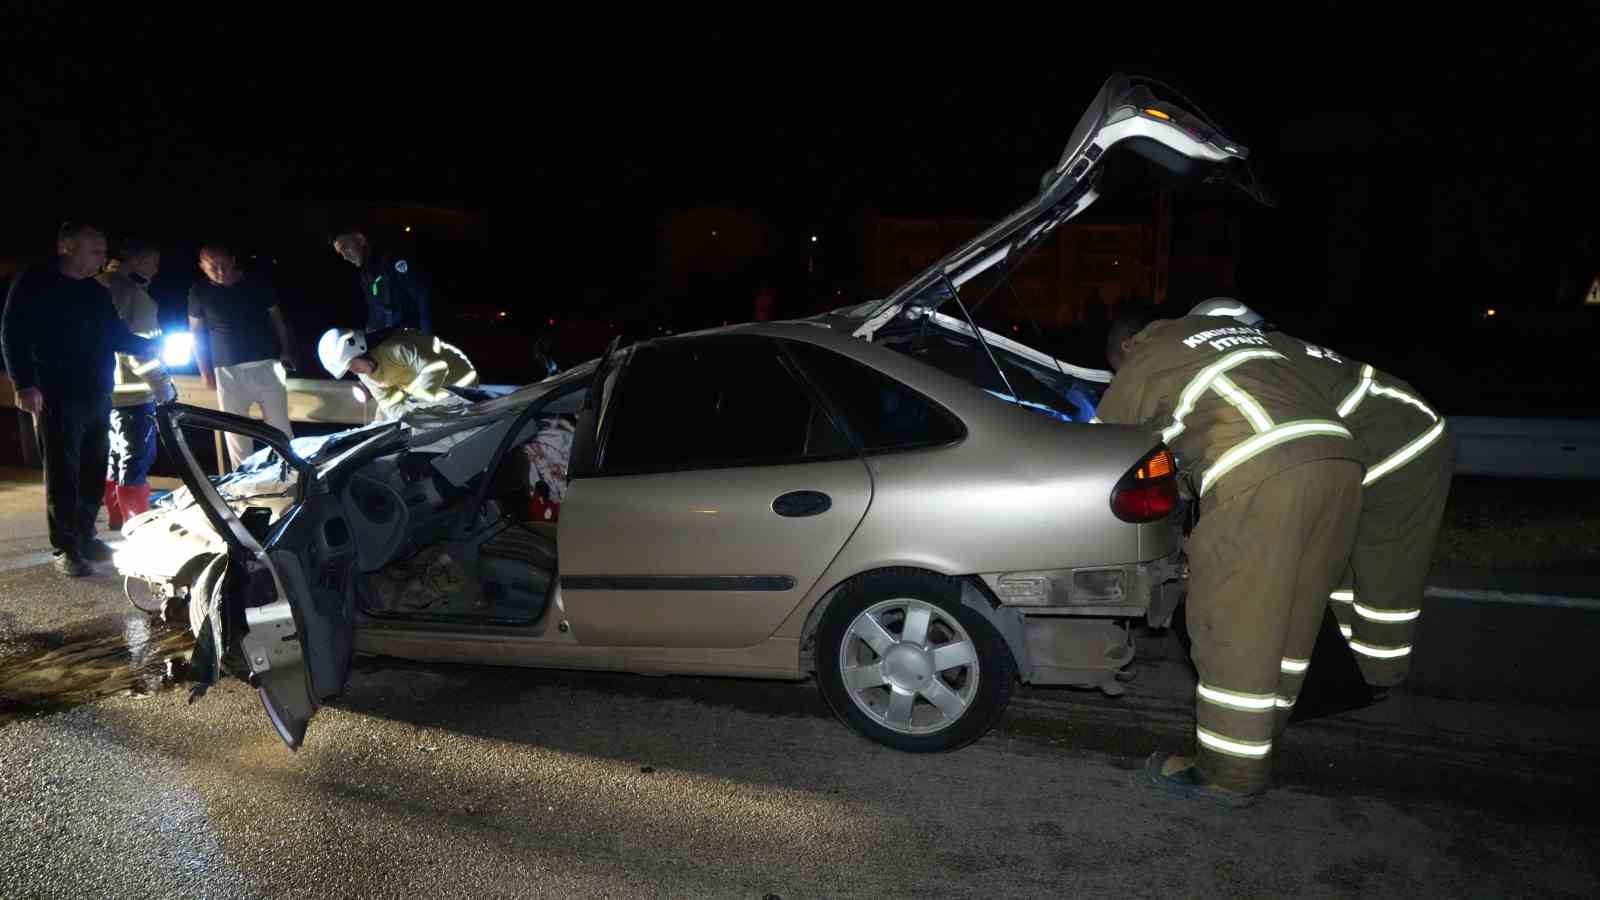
column 1526, row 448
column 314, row 400
column 311, row 401
column 1485, row 445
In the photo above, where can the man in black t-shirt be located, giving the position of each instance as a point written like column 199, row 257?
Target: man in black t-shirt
column 241, row 343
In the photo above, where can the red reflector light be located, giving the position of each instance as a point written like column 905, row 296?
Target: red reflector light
column 1148, row 502
column 1149, row 492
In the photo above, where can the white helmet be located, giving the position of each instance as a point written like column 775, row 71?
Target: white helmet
column 337, row 347
column 1227, row 307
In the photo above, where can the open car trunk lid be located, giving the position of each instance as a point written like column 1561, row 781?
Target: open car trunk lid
column 1129, row 115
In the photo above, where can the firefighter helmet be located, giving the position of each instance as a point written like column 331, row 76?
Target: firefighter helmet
column 337, row 347
column 1228, row 307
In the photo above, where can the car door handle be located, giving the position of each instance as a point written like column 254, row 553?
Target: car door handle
column 802, row 503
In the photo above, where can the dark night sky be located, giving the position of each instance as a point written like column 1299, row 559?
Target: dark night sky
column 802, row 114
column 963, row 120
column 198, row 123
column 577, row 136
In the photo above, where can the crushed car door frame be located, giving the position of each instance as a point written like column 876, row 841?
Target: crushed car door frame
column 293, row 594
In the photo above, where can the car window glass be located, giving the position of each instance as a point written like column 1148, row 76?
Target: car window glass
column 693, row 404
column 881, row 413
column 1045, row 390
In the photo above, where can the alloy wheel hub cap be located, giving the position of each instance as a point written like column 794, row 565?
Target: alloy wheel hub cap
column 908, row 667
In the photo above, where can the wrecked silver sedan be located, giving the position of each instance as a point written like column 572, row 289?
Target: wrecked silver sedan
column 785, row 500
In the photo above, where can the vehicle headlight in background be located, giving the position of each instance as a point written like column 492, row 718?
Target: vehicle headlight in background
column 177, row 349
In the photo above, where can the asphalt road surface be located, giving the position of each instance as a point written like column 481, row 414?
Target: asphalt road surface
column 463, row 781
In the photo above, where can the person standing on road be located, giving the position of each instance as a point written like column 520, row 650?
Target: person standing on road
column 408, row 369
column 544, row 364
column 398, row 294
column 1410, row 458
column 138, row 383
column 60, row 332
column 1278, row 480
column 241, row 343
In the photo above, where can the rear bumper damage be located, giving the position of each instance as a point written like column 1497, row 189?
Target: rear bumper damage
column 1078, row 623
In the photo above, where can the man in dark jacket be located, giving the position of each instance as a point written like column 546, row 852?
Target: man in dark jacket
column 60, row 333
column 397, row 293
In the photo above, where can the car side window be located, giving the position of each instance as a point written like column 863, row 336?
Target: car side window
column 710, row 403
column 881, row 413
column 1026, row 383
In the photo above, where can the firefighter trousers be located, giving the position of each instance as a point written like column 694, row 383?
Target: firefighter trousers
column 1262, row 565
column 1380, row 597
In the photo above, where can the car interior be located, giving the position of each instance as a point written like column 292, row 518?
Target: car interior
column 480, row 552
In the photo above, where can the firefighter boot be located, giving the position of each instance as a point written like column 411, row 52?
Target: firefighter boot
column 114, row 513
column 1179, row 775
column 134, row 499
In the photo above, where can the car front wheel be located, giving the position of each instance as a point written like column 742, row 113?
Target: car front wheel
column 903, row 662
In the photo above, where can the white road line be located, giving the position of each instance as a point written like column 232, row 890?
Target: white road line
column 1514, row 598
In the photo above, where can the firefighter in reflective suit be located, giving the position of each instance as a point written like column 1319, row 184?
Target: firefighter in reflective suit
column 1278, row 480
column 408, row 369
column 1409, row 458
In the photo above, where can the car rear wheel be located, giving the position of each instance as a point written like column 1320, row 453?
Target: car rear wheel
column 903, row 662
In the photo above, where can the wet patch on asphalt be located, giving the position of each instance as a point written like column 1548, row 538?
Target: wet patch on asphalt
column 110, row 656
column 18, row 640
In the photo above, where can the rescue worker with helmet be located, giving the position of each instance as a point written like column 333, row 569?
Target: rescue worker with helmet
column 1277, row 478
column 1409, row 458
column 409, row 368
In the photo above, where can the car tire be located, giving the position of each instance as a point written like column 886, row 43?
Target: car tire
column 959, row 676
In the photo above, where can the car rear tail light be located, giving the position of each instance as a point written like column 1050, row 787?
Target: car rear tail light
column 1157, row 465
column 1149, row 492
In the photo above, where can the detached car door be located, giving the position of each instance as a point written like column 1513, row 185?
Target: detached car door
column 720, row 491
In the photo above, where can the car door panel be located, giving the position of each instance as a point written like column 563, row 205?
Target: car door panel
column 293, row 595
column 690, row 545
column 700, row 558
